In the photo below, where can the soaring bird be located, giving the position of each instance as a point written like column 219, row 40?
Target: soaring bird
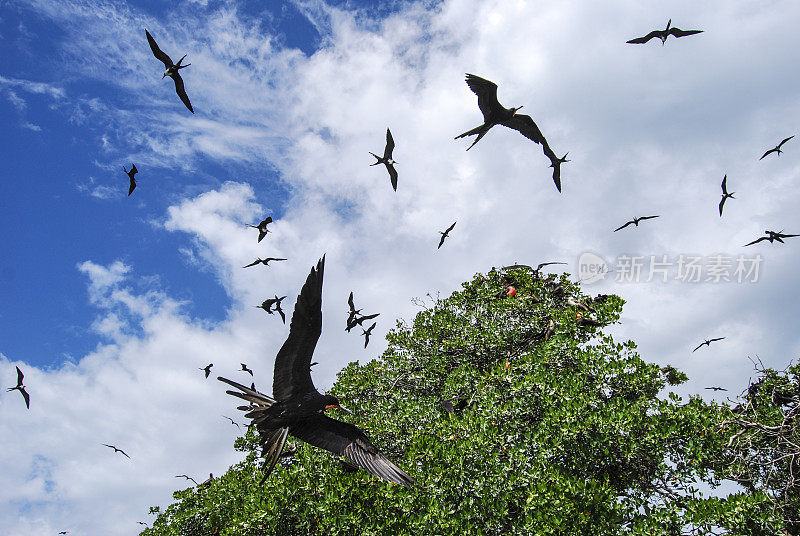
column 245, row 369
column 187, row 478
column 233, row 422
column 777, row 148
column 360, row 321
column 117, row 450
column 207, row 369
column 353, row 311
column 716, row 389
column 635, row 221
column 21, row 388
column 663, row 34
column 262, row 227
column 268, row 304
column 772, row 236
column 445, row 234
column 707, row 342
column 387, row 159
column 130, row 174
column 367, row 332
column 265, row 262
column 298, row 408
column 172, row 70
column 495, row 114
column 725, row 194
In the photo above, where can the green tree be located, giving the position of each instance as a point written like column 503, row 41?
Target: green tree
column 555, row 429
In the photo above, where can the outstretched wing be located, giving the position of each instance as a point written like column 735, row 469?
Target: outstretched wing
column 555, row 162
column 392, row 175
column 784, row 141
column 756, row 241
column 132, row 186
column 20, row 376
column 525, row 126
column 646, row 38
column 349, row 441
column 252, row 263
column 441, row 240
column 486, row 92
column 292, row 374
column 721, row 204
column 717, row 339
column 179, row 89
column 622, row 226
column 648, row 217
column 387, row 152
column 698, row 347
column 157, row 52
column 134, row 171
column 677, row 32
column 725, row 185
column 450, row 228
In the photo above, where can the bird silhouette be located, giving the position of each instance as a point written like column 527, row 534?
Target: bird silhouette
column 187, row 478
column 386, row 159
column 233, row 422
column 21, row 388
column 207, row 369
column 777, row 148
column 265, row 262
column 116, row 450
column 298, row 408
column 772, row 236
column 635, row 221
column 359, row 321
column 445, row 234
column 268, row 304
column 707, row 342
column 245, row 369
column 367, row 332
column 130, row 174
column 716, row 389
column 663, row 34
column 262, row 227
column 353, row 311
column 495, row 114
column 172, row 70
column 725, row 194
column 207, row 481
column 143, row 523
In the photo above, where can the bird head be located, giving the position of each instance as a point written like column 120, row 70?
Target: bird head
column 333, row 402
column 516, row 109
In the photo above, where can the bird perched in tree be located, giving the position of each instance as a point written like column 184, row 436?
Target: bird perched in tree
column 207, row 369
column 495, row 114
column 725, row 194
column 634, row 221
column 245, row 369
column 707, row 342
column 130, row 175
column 207, row 481
column 262, row 227
column 21, row 388
column 172, row 70
column 663, row 34
column 386, row 159
column 772, row 236
column 297, row 408
column 367, row 332
column 445, row 234
column 265, row 262
column 777, row 148
column 117, row 450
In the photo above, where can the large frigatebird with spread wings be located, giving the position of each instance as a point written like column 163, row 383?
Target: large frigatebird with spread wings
column 663, row 34
column 172, row 70
column 495, row 114
column 777, row 148
column 387, row 159
column 297, row 408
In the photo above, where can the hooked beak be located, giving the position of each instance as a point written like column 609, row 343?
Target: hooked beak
column 338, row 407
column 518, row 109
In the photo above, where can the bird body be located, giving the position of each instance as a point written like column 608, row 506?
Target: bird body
column 725, row 194
column 387, row 160
column 777, row 148
column 172, row 70
column 635, row 221
column 207, row 369
column 21, row 388
column 663, row 34
column 262, row 227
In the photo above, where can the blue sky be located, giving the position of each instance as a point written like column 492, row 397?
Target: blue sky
column 111, row 302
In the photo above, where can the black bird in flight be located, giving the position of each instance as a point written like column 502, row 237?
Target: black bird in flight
column 716, row 389
column 387, row 159
column 187, row 478
column 772, row 236
column 445, row 234
column 233, row 422
column 725, row 194
column 777, row 148
column 298, row 408
column 172, row 70
column 116, row 450
column 353, row 311
column 367, row 332
column 245, row 369
column 707, row 342
column 359, row 321
column 495, row 114
column 635, row 221
column 130, row 175
column 64, row 532
column 265, row 262
column 21, row 388
column 663, row 34
column 262, row 227
column 143, row 523
column 207, row 369
column 268, row 304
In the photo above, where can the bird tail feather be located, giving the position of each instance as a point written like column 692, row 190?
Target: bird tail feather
column 273, row 442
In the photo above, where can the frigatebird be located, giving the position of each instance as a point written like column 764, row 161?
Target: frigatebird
column 262, row 227
column 207, row 369
column 707, row 342
column 716, row 389
column 367, row 332
column 130, row 175
column 298, row 408
column 725, row 194
column 245, row 369
column 187, row 478
column 353, row 311
column 233, row 422
column 116, row 450
column 663, row 34
column 387, row 159
column 360, row 321
column 772, row 236
column 172, row 70
column 21, row 388
column 495, row 114
column 777, row 148
column 207, row 481
column 445, row 234
column 276, row 302
column 635, row 221
column 265, row 262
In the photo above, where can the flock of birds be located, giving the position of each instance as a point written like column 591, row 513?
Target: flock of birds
column 296, row 407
